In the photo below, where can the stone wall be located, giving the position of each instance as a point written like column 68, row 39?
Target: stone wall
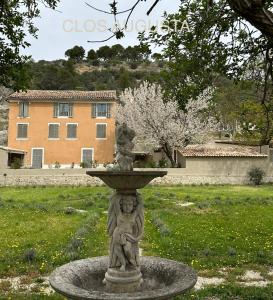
column 77, row 177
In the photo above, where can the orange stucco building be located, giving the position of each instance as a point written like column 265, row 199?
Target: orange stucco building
column 68, row 128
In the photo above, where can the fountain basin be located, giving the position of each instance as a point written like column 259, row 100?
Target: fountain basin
column 162, row 279
column 131, row 180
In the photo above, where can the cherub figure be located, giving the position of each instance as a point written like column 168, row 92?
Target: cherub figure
column 125, row 226
column 125, row 157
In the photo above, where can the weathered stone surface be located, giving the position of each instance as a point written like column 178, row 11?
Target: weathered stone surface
column 127, row 180
column 162, row 279
column 77, row 177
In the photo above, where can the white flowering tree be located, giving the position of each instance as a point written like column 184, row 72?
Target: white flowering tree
column 160, row 123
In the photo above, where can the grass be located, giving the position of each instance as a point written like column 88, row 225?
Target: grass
column 227, row 226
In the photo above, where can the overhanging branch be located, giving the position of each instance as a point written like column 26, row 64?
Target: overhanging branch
column 256, row 14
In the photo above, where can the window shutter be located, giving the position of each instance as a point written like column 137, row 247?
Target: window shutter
column 56, row 110
column 71, row 131
column 94, row 110
column 108, row 114
column 21, row 109
column 101, row 131
column 22, row 131
column 70, row 113
column 26, row 109
column 53, row 131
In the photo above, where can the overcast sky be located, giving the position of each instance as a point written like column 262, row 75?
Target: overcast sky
column 77, row 23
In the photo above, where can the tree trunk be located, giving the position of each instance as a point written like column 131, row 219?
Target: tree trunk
column 169, row 153
column 255, row 13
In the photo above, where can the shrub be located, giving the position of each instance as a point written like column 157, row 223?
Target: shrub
column 133, row 65
column 57, row 165
column 94, row 164
column 16, row 164
column 96, row 63
column 256, row 175
column 163, row 163
column 83, row 165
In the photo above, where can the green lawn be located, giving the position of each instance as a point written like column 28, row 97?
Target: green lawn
column 227, row 227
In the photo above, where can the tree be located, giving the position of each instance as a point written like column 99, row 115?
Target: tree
column 104, row 53
column 4, row 93
column 76, row 53
column 16, row 21
column 92, row 55
column 161, row 123
column 47, row 76
column 118, row 51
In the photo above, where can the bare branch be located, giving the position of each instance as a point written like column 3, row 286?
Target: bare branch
column 102, row 41
column 108, row 12
column 153, row 6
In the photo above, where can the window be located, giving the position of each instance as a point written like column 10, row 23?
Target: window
column 72, row 131
column 53, row 131
column 101, row 110
column 101, row 131
column 63, row 109
column 23, row 109
column 22, row 131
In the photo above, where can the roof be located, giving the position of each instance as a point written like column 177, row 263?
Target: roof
column 205, row 151
column 12, row 150
column 48, row 95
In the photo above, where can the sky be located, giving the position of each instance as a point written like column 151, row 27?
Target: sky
column 76, row 23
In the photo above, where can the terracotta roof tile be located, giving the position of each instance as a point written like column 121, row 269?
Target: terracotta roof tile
column 205, row 151
column 48, row 95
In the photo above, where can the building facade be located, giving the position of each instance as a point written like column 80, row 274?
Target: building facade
column 63, row 128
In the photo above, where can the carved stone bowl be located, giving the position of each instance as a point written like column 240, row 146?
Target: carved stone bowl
column 130, row 180
column 162, row 279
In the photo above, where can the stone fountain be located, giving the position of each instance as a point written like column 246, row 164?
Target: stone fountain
column 124, row 275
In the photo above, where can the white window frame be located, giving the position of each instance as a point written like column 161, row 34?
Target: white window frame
column 22, row 139
column 105, row 131
column 87, row 149
column 97, row 117
column 62, row 117
column 71, row 139
column 43, row 159
column 54, row 139
column 18, row 117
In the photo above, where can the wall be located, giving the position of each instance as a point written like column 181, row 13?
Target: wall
column 64, row 151
column 3, row 158
column 75, row 177
column 226, row 166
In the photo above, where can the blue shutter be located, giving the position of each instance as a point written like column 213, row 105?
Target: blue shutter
column 94, row 110
column 108, row 113
column 55, row 110
column 70, row 113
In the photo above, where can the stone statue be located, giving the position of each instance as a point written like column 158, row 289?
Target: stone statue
column 125, row 157
column 125, row 226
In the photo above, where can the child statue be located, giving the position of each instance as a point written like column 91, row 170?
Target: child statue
column 125, row 226
column 125, row 157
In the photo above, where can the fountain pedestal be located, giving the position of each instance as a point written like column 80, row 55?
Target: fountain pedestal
column 123, row 282
column 125, row 227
